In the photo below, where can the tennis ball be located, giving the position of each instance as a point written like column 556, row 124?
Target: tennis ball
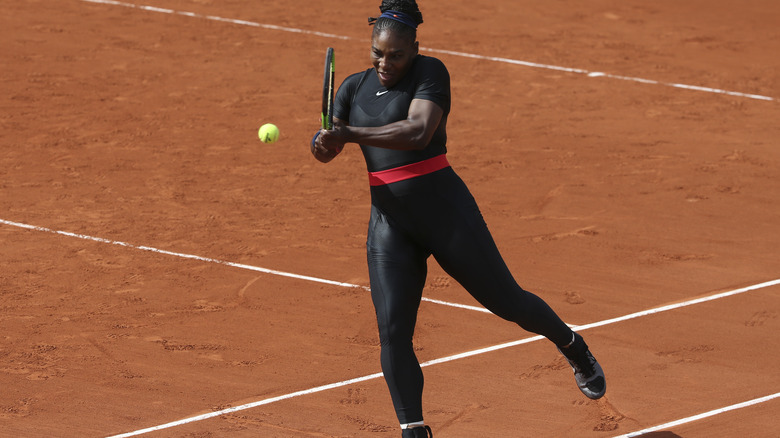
column 268, row 133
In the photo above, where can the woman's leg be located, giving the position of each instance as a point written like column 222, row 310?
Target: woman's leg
column 463, row 246
column 397, row 270
column 472, row 259
column 454, row 230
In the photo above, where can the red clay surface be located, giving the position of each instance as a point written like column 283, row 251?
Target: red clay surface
column 607, row 197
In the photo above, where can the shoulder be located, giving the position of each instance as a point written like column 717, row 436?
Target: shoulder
column 357, row 77
column 431, row 70
column 430, row 61
column 432, row 81
column 354, row 79
column 352, row 83
column 430, row 64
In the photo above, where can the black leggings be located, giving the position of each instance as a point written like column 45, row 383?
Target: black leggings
column 436, row 215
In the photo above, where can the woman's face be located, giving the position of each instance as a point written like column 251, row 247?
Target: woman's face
column 392, row 55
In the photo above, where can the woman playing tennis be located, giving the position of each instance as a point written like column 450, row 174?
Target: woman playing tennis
column 397, row 112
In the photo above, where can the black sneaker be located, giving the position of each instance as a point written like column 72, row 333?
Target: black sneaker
column 587, row 372
column 417, row 432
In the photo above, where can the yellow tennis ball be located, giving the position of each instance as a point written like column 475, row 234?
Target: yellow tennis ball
column 268, row 133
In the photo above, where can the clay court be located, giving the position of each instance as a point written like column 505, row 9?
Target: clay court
column 163, row 273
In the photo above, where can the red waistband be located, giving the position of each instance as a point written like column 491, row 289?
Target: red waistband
column 408, row 171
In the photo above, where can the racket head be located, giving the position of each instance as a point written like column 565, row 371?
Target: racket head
column 328, row 89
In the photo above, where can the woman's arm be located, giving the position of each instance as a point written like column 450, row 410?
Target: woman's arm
column 413, row 133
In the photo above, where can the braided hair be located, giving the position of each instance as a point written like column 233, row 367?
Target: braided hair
column 408, row 7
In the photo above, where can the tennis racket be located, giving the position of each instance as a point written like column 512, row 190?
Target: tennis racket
column 328, row 90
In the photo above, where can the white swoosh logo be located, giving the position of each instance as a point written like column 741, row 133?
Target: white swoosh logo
column 379, row 93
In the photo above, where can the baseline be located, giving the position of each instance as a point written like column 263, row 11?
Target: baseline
column 588, row 73
column 444, row 360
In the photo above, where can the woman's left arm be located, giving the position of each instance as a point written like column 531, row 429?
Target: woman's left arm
column 413, row 133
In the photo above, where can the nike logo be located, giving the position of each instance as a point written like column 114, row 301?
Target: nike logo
column 379, row 93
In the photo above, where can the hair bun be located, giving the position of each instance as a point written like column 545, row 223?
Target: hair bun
column 408, row 7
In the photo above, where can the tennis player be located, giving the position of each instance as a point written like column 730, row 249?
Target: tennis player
column 397, row 112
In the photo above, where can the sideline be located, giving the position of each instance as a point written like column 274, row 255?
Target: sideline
column 590, row 74
column 443, row 360
column 700, row 416
column 223, row 262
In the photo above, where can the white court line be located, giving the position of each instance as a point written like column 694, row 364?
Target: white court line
column 215, row 18
column 598, row 74
column 678, row 305
column 223, row 262
column 441, row 360
column 700, row 416
column 176, row 254
column 249, row 405
column 588, row 73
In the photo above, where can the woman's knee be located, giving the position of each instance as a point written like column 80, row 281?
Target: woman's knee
column 397, row 332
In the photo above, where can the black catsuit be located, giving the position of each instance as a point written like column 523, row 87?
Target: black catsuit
column 433, row 214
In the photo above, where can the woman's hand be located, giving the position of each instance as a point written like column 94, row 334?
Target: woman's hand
column 327, row 144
